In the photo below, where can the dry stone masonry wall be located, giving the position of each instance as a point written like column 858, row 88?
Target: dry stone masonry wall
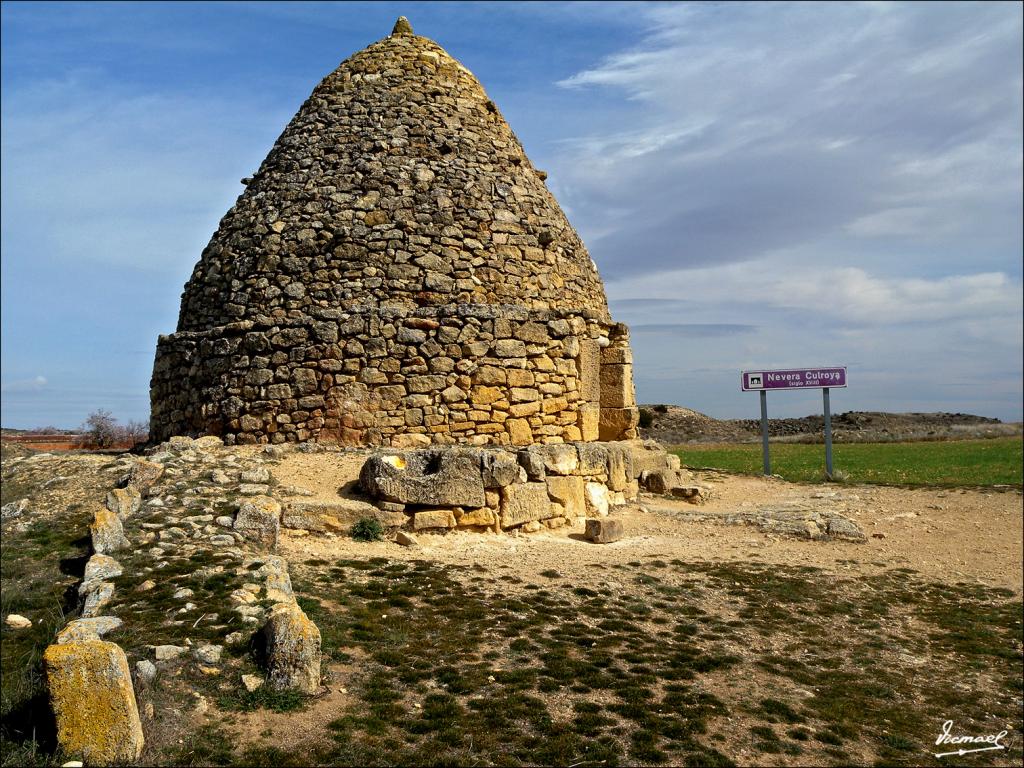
column 396, row 273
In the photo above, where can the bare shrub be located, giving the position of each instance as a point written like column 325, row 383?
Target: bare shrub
column 101, row 428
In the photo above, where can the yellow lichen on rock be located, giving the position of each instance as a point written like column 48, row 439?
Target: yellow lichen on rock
column 93, row 702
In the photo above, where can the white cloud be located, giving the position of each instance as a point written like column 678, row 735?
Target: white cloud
column 34, row 384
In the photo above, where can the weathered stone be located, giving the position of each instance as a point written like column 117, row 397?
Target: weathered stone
column 433, row 518
column 293, row 649
column 168, row 652
column 337, row 516
column 100, row 567
column 597, row 499
column 107, row 532
column 560, row 459
column 405, row 539
column 658, row 480
column 432, row 477
column 604, row 530
column 258, row 475
column 618, row 423
column 142, row 475
column 523, row 502
column 208, row 654
column 124, row 502
column 88, row 629
column 93, row 701
column 500, row 468
column 259, row 520
column 17, row 621
column 532, row 461
column 13, row 510
column 145, row 671
column 569, row 492
column 252, row 682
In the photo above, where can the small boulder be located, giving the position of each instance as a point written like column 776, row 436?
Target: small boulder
column 208, row 654
column 93, row 702
column 145, row 671
column 603, row 530
column 17, row 621
column 168, row 652
column 405, row 539
column 259, row 520
column 293, row 649
column 258, row 475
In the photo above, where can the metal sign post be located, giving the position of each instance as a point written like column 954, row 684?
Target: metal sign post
column 796, row 378
column 828, row 432
column 764, row 434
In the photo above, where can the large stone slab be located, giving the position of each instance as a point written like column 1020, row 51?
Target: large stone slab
column 93, row 702
column 618, row 423
column 340, row 516
column 523, row 503
column 617, row 386
column 431, row 477
column 124, row 502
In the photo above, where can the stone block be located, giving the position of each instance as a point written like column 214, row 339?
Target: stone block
column 596, row 495
column 603, row 531
column 617, row 386
column 433, row 518
column 431, row 477
column 560, row 459
column 499, row 468
column 259, row 520
column 107, row 532
column 293, row 649
column 524, row 502
column 94, row 628
column 593, row 459
column 338, row 516
column 476, row 517
column 519, row 431
column 93, row 702
column 589, row 421
column 616, row 423
column 616, row 356
column 588, row 366
column 569, row 492
column 620, row 467
column 142, row 475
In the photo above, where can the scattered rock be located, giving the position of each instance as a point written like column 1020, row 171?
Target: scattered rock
column 258, row 475
column 405, row 539
column 98, row 568
column 93, row 702
column 168, row 652
column 253, row 489
column 145, row 586
column 183, row 593
column 13, row 510
column 208, row 654
column 145, row 671
column 17, row 621
column 97, row 599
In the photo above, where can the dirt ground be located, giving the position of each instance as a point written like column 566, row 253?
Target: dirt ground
column 973, row 536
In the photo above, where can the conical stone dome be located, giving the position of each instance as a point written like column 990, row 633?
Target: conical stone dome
column 395, row 255
column 398, row 183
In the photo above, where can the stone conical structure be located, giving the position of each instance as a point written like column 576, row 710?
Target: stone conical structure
column 396, row 272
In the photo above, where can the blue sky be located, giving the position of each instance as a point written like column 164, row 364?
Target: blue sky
column 761, row 185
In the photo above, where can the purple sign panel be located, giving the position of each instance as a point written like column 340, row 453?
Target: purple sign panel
column 796, row 378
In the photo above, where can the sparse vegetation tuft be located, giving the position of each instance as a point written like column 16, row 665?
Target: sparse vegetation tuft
column 367, row 529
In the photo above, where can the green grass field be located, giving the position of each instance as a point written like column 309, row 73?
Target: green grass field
column 953, row 463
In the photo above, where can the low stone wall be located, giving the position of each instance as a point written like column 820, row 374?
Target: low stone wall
column 499, row 490
column 465, row 373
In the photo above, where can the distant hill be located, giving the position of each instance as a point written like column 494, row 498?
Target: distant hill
column 673, row 425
